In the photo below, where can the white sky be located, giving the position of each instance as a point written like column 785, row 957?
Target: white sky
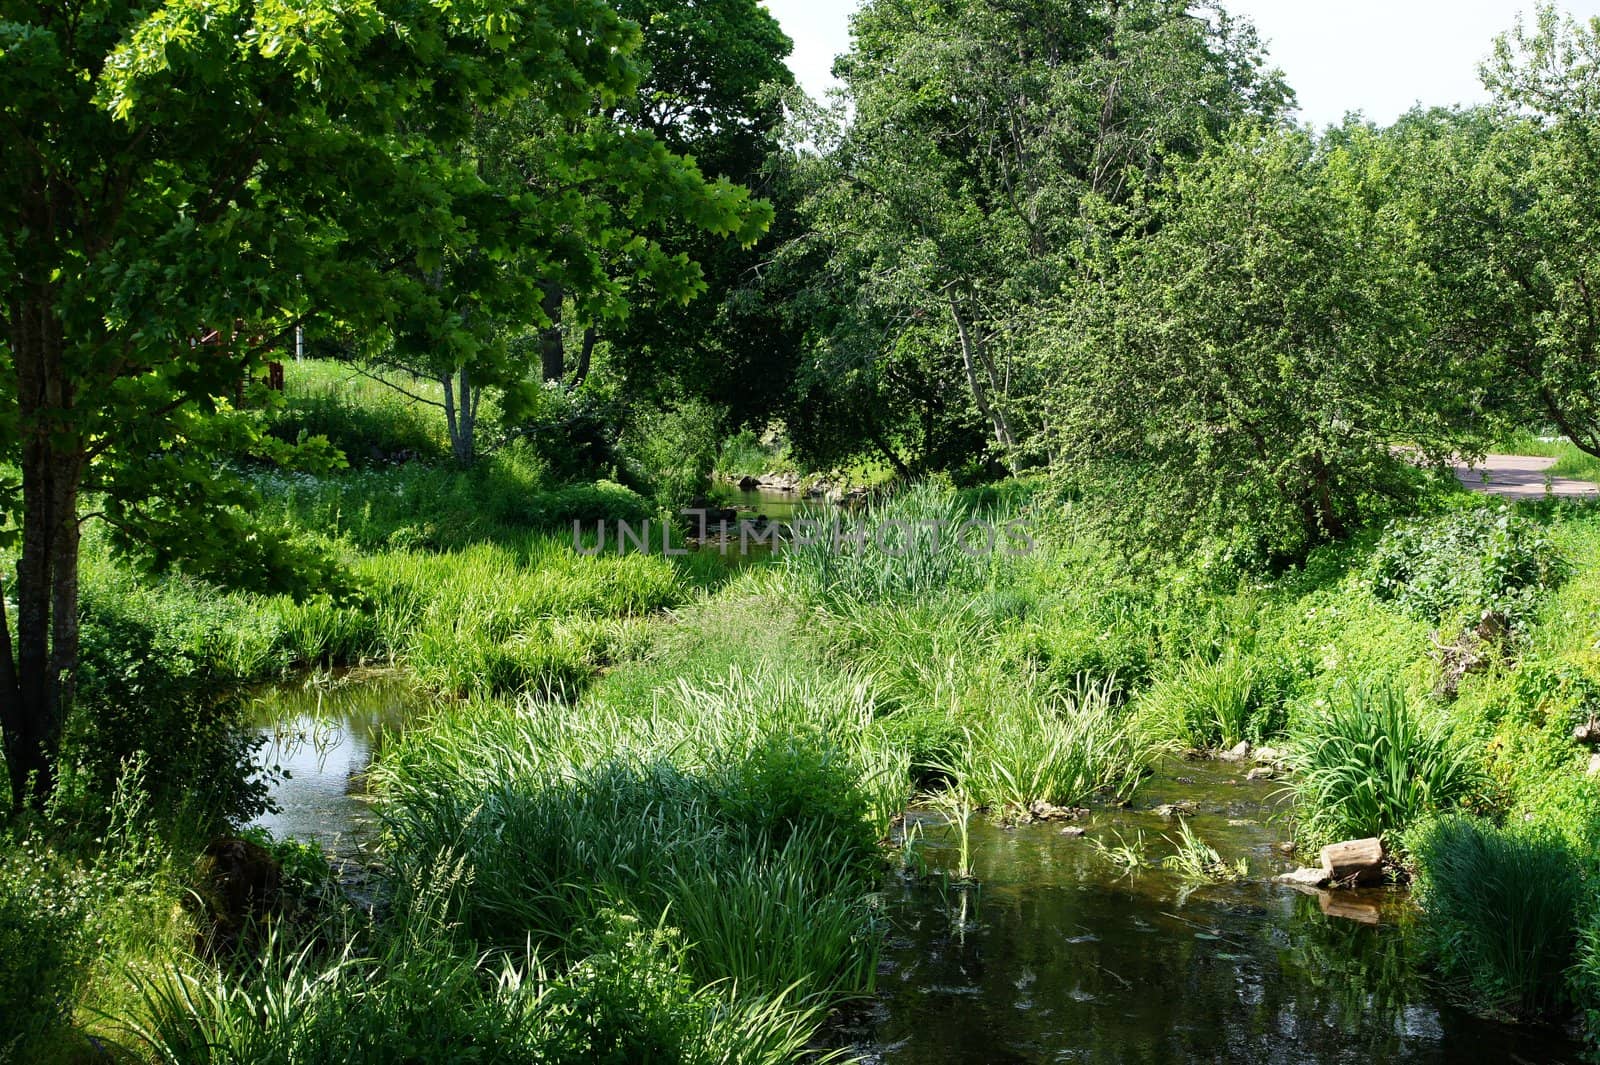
column 1374, row 56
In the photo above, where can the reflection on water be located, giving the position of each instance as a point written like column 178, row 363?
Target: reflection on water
column 1053, row 957
column 771, row 503
column 323, row 734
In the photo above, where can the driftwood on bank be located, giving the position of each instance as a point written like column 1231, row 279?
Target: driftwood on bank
column 1355, row 861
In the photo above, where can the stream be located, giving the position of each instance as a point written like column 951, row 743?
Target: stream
column 1052, row 954
column 322, row 736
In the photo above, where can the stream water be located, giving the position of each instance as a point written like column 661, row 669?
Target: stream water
column 322, row 736
column 1054, row 955
column 775, row 505
column 1051, row 954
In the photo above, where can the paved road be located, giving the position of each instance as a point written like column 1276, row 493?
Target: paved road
column 1521, row 477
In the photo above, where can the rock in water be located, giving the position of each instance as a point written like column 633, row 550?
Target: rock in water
column 1261, row 772
column 748, row 483
column 1040, row 810
column 1181, row 808
column 1355, row 861
column 1303, row 877
column 1073, row 831
column 1238, row 754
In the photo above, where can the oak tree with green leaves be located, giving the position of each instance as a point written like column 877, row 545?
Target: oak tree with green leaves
column 1255, row 357
column 952, row 200
column 183, row 183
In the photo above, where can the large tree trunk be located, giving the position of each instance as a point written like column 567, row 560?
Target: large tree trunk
column 461, row 416
column 36, row 674
column 552, row 349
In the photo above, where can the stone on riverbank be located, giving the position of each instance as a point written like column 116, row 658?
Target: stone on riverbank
column 1303, row 877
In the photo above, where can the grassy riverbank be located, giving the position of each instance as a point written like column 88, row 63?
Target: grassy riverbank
column 647, row 821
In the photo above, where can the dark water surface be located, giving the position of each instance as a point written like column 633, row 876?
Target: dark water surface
column 1055, row 957
column 775, row 504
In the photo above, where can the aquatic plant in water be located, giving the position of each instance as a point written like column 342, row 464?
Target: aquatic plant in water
column 1196, row 860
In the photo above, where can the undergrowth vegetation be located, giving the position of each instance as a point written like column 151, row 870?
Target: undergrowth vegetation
column 646, row 822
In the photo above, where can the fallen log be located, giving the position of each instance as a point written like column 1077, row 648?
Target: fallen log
column 1355, row 861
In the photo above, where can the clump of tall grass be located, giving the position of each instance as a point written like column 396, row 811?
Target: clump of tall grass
column 1208, row 703
column 1127, row 855
column 1053, row 748
column 957, row 810
column 745, row 811
column 919, row 543
column 488, row 618
column 407, row 992
column 1196, row 860
column 1504, row 908
column 1372, row 766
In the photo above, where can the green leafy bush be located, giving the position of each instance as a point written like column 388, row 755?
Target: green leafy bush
column 147, row 692
column 789, row 781
column 604, row 501
column 43, row 955
column 1465, row 562
column 1372, row 767
column 1504, row 907
column 671, row 451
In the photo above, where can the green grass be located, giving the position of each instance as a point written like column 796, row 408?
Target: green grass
column 1197, row 861
column 650, row 822
column 1209, row 704
column 921, row 543
column 1061, row 750
column 1503, row 908
column 1374, row 766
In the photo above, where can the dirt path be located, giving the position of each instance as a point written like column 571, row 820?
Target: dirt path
column 1521, row 477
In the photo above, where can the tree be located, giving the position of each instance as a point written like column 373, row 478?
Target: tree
column 954, row 202
column 713, row 88
column 1253, row 350
column 222, row 170
column 612, row 188
column 1514, row 227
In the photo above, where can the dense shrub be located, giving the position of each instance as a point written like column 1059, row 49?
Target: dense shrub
column 150, row 690
column 1504, row 907
column 574, row 433
column 1465, row 562
column 587, row 503
column 43, row 956
column 670, row 452
column 791, row 781
column 1371, row 766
